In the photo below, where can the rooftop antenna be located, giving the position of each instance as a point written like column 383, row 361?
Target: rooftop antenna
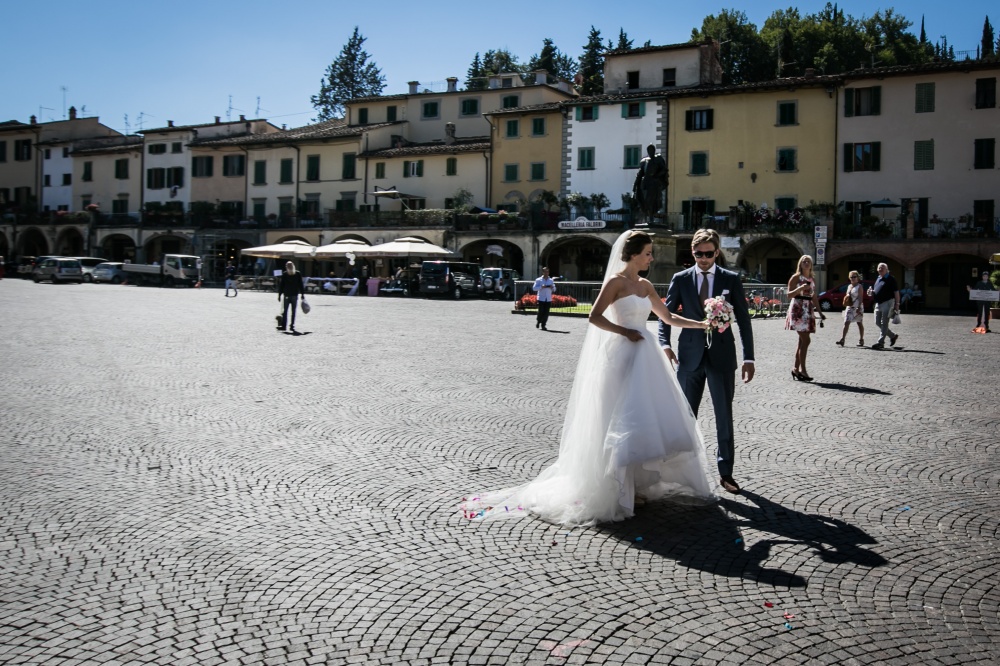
column 64, row 89
column 40, row 112
column 143, row 114
column 229, row 111
column 256, row 113
column 128, row 127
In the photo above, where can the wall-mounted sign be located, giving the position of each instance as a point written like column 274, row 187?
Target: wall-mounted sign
column 730, row 242
column 820, row 255
column 582, row 223
column 821, row 232
column 495, row 249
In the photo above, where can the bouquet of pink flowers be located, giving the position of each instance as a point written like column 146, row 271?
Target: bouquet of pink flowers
column 719, row 313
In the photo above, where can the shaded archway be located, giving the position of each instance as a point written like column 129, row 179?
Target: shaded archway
column 491, row 252
column 771, row 260
column 118, row 247
column 216, row 255
column 943, row 280
column 156, row 247
column 32, row 243
column 69, row 243
column 580, row 258
column 4, row 247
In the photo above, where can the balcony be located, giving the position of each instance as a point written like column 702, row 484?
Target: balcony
column 894, row 228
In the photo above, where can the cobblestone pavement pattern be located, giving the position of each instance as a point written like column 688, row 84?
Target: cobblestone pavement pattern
column 180, row 484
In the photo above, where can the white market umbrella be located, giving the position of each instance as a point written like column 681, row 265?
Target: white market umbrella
column 287, row 249
column 341, row 248
column 406, row 247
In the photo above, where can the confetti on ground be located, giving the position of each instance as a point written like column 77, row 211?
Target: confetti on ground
column 905, row 508
column 789, row 616
column 788, row 626
column 739, row 541
column 638, row 538
column 555, row 543
column 768, row 604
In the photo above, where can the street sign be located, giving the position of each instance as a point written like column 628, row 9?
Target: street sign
column 820, row 232
column 820, row 255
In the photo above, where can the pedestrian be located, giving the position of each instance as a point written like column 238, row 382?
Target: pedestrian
column 231, row 279
column 289, row 286
column 1, row 268
column 854, row 308
column 802, row 313
column 544, row 287
column 197, row 265
column 982, row 307
column 700, row 363
column 886, row 295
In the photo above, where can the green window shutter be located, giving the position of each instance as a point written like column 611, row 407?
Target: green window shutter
column 848, row 102
column 420, row 167
column 625, row 110
column 596, row 109
column 642, row 109
column 579, row 113
column 686, row 210
column 710, row 118
column 876, row 100
column 876, row 155
column 710, row 207
column 390, row 114
column 451, row 167
column 688, row 120
column 848, row 157
column 991, row 153
column 406, row 168
column 260, row 172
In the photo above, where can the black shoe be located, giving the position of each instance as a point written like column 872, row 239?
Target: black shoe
column 543, row 327
column 878, row 345
column 235, row 294
column 538, row 324
column 892, row 340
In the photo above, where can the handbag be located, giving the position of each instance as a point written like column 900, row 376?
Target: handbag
column 895, row 317
column 305, row 306
column 848, row 301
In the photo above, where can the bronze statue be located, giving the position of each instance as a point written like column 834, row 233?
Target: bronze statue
column 650, row 183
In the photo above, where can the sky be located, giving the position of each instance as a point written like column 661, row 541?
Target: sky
column 190, row 61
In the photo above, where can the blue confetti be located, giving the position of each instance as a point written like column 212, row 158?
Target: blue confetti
column 638, row 538
column 788, row 625
column 739, row 541
column 905, row 508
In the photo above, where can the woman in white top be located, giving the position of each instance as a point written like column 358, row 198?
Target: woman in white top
column 854, row 312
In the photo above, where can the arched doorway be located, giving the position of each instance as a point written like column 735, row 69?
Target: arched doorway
column 494, row 253
column 943, row 280
column 771, row 260
column 156, row 247
column 69, row 243
column 32, row 243
column 581, row 259
column 4, row 247
column 118, row 247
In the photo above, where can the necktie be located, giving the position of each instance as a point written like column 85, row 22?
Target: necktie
column 703, row 292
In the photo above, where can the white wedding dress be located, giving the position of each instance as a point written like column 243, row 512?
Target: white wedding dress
column 628, row 432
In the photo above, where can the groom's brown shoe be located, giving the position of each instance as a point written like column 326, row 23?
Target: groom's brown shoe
column 729, row 483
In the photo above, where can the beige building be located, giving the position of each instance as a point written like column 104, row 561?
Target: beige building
column 108, row 172
column 526, row 156
column 19, row 175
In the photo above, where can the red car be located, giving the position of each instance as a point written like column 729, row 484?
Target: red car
column 832, row 300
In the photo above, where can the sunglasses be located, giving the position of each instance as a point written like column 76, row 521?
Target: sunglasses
column 703, row 255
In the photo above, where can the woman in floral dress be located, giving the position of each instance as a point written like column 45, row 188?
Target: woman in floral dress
column 802, row 313
column 854, row 312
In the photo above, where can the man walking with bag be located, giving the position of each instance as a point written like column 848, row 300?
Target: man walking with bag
column 290, row 286
column 886, row 294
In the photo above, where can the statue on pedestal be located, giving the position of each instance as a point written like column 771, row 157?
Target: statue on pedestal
column 650, row 183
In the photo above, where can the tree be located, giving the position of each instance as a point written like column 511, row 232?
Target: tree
column 348, row 77
column 552, row 61
column 988, row 44
column 743, row 55
column 501, row 61
column 624, row 43
column 592, row 65
column 475, row 77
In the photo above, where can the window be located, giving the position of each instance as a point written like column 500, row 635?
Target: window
column 786, row 159
column 585, row 159
column 349, row 166
column 470, row 107
column 415, row 204
column 3, row 151
column 260, row 172
column 538, row 171
column 157, row 148
column 363, row 116
column 234, row 165
column 156, row 178
column 22, row 150
column 287, row 166
column 67, row 179
column 923, row 155
column 925, row 98
column 119, row 206
column 259, row 209
column 380, row 170
column 510, row 101
column 982, row 212
column 863, row 101
column 175, row 176
column 414, row 169
column 986, row 93
column 669, row 77
column 85, row 201
column 176, row 147
column 586, row 113
column 431, row 110
column 121, row 169
column 48, row 153
column 390, row 114
column 346, row 204
column 88, row 172
column 788, row 113
column 699, row 164
column 985, row 154
column 632, row 156
column 201, row 166
column 46, row 180
column 284, row 207
column 538, row 127
column 513, row 129
column 451, row 166
column 784, row 203
column 510, row 174
column 698, row 119
column 862, row 156
column 633, row 109
column 312, row 167
column 507, row 83
column 65, row 151
column 632, row 80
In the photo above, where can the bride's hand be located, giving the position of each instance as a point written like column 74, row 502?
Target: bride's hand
column 633, row 335
column 705, row 325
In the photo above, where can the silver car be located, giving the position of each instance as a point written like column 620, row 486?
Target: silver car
column 88, row 264
column 59, row 269
column 499, row 282
column 109, row 271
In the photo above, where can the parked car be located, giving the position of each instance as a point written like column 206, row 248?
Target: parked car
column 499, row 282
column 89, row 264
column 832, row 300
column 25, row 266
column 59, row 269
column 109, row 271
column 452, row 278
column 405, row 283
column 36, row 263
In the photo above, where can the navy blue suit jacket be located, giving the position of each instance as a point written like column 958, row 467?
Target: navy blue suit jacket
column 690, row 347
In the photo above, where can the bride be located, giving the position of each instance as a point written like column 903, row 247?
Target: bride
column 629, row 431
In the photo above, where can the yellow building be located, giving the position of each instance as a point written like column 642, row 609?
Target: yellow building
column 527, row 154
column 768, row 143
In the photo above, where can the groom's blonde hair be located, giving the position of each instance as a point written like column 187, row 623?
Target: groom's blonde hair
column 706, row 236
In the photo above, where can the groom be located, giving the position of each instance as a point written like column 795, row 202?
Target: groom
column 699, row 363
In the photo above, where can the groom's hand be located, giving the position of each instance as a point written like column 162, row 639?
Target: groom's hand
column 747, row 372
column 671, row 356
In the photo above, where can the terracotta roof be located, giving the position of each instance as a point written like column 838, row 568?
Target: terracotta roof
column 706, row 90
column 330, row 129
column 179, row 128
column 654, row 49
column 532, row 108
column 924, row 68
column 378, row 98
column 15, row 126
column 110, row 144
column 466, row 145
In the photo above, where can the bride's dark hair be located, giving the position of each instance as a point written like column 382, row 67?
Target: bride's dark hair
column 634, row 244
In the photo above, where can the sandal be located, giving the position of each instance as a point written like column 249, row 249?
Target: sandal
column 861, row 343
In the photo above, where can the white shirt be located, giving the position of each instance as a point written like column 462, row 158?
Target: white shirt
column 544, row 287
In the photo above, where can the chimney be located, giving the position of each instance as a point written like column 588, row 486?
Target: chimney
column 72, row 113
column 413, row 87
column 218, row 120
column 810, row 72
column 284, row 126
column 452, row 83
column 449, row 133
column 541, row 77
column 242, row 118
column 494, row 82
column 33, row 120
column 170, row 123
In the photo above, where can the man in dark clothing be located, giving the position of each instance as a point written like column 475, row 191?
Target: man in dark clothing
column 231, row 279
column 982, row 307
column 886, row 294
column 289, row 286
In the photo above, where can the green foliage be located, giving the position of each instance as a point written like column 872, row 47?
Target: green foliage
column 742, row 52
column 475, row 79
column 599, row 201
column 428, row 217
column 987, row 46
column 592, row 64
column 349, row 76
column 461, row 200
column 553, row 61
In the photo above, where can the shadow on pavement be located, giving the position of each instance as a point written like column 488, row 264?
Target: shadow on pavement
column 709, row 538
column 850, row 389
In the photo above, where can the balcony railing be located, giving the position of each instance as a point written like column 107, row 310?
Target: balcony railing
column 935, row 228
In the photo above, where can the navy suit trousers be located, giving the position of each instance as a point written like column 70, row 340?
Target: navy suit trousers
column 722, row 386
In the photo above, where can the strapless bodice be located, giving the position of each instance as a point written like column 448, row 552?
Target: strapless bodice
column 632, row 311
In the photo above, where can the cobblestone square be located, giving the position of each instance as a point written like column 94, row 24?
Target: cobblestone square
column 182, row 484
